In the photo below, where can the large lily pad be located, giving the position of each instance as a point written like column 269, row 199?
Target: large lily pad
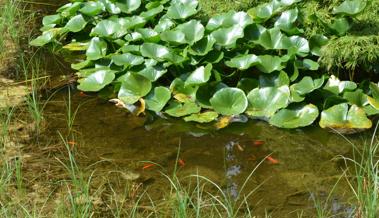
column 127, row 59
column 97, row 80
column 176, row 109
column 269, row 64
column 229, row 101
column 229, row 19
column 334, row 85
column 205, row 117
column 97, row 49
column 341, row 117
column 158, row 98
column 186, row 33
column 200, row 76
column 228, row 36
column 133, row 87
column 350, row 7
column 295, row 117
column 182, row 9
column 76, row 24
column 128, row 6
column 243, row 62
column 264, row 102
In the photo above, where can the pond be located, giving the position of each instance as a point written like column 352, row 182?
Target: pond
column 291, row 168
column 301, row 164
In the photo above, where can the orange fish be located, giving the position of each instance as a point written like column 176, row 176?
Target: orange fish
column 71, row 143
column 181, row 163
column 258, row 142
column 272, row 160
column 147, row 166
column 82, row 94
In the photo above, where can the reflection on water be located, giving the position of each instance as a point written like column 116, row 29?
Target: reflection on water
column 306, row 157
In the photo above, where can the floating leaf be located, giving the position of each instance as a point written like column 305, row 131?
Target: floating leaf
column 228, row 36
column 295, row 117
column 356, row 97
column 350, row 7
column 298, row 45
column 340, row 26
column 336, row 86
column 158, row 98
column 229, row 101
column 97, row 80
column 152, row 70
column 51, row 19
column 186, row 33
column 287, row 19
column 128, row 6
column 273, row 39
column 229, row 19
column 92, row 8
column 202, row 47
column 182, row 9
column 274, row 79
column 341, row 117
column 264, row 102
column 200, row 76
column 316, row 42
column 178, row 87
column 105, row 28
column 77, row 46
column 46, row 37
column 151, row 13
column 127, row 59
column 269, row 64
column 155, row 51
column 133, row 87
column 243, row 62
column 180, row 110
column 205, row 117
column 97, row 49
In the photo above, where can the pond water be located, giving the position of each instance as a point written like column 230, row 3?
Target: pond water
column 301, row 165
column 302, row 162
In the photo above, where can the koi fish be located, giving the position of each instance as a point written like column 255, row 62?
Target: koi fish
column 258, row 142
column 272, row 160
column 148, row 166
column 181, row 163
column 82, row 94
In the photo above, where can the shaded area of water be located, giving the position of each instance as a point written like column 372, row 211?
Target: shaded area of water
column 301, row 162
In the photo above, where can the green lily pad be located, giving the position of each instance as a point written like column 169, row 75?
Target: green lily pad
column 269, row 64
column 374, row 88
column 305, row 86
column 202, row 47
column 46, row 37
column 340, row 26
column 153, row 70
column 247, row 84
column 133, row 87
column 155, row 51
column 277, row 79
column 200, row 76
column 243, row 62
column 356, row 97
column 51, row 19
column 295, row 117
column 128, row 6
column 341, row 117
column 273, row 39
column 205, row 92
column 158, row 98
column 316, row 42
column 97, row 80
column 229, row 19
column 205, row 117
column 178, row 87
column 127, row 59
column 264, row 102
column 229, row 101
column 176, row 109
column 287, row 19
column 97, row 49
column 92, row 8
column 182, row 9
column 228, row 36
column 350, row 7
column 152, row 13
column 186, row 33
column 105, row 28
column 334, row 85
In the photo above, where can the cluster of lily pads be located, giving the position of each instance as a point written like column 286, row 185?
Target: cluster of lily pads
column 254, row 63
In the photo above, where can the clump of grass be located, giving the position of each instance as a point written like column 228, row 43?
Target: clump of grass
column 365, row 177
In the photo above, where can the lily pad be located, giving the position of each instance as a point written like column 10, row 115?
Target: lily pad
column 97, row 49
column 334, row 85
column 176, row 109
column 341, row 117
column 182, row 9
column 243, row 62
column 127, row 59
column 229, row 101
column 228, row 36
column 133, row 87
column 269, row 64
column 200, row 76
column 264, row 102
column 157, row 99
column 96, row 81
column 205, row 117
column 350, row 7
column 128, row 6
column 186, row 33
column 295, row 117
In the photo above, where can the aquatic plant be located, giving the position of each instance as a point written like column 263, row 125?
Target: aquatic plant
column 258, row 63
